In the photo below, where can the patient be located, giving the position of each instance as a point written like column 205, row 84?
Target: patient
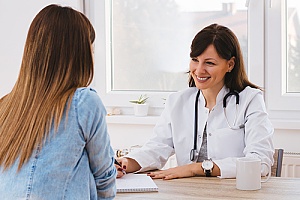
column 53, row 135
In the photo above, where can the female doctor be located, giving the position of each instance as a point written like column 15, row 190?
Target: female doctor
column 219, row 118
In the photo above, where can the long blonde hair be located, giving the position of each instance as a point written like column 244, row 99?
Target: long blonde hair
column 57, row 59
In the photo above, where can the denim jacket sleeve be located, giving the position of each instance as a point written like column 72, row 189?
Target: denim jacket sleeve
column 92, row 120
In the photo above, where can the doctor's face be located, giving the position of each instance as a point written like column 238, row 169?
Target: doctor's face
column 208, row 69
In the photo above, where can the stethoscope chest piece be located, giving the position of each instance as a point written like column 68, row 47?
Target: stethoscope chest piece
column 193, row 155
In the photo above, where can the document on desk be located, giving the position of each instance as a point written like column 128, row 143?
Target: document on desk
column 136, row 183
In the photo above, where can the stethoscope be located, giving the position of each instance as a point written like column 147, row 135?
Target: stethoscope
column 194, row 152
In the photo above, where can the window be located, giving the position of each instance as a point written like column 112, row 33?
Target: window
column 150, row 40
column 148, row 44
column 293, row 46
column 282, row 66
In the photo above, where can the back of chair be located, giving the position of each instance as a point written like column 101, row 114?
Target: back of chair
column 277, row 166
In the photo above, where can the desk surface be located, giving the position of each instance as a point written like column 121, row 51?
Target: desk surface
column 216, row 188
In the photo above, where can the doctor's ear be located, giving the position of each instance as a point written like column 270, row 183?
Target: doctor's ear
column 231, row 64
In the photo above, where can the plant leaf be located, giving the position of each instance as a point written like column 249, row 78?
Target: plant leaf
column 142, row 99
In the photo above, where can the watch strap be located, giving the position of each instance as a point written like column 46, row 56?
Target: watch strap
column 207, row 172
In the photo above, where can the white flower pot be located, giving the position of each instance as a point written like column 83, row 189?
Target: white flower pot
column 140, row 110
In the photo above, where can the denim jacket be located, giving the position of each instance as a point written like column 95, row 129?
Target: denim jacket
column 77, row 162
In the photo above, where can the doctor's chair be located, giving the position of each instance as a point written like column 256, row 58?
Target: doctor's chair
column 277, row 166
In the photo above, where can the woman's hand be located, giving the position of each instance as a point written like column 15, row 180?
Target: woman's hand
column 189, row 170
column 120, row 171
column 128, row 165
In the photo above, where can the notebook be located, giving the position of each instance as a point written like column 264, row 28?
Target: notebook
column 136, row 183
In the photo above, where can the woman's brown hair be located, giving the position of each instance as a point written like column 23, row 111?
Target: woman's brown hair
column 57, row 59
column 227, row 46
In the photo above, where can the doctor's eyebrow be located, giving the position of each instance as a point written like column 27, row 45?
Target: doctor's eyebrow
column 195, row 59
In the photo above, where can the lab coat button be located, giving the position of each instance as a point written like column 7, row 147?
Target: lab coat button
column 209, row 134
column 199, row 136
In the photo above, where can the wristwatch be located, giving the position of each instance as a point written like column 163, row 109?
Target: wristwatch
column 207, row 166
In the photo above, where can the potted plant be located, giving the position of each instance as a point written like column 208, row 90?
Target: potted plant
column 140, row 106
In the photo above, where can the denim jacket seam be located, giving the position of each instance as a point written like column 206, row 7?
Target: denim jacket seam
column 76, row 107
column 77, row 118
column 32, row 170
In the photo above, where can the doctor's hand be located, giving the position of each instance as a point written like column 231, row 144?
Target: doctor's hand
column 193, row 169
column 127, row 164
column 177, row 172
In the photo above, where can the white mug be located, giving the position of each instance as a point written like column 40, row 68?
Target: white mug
column 248, row 173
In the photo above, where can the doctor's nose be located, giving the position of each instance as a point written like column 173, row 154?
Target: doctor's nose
column 200, row 68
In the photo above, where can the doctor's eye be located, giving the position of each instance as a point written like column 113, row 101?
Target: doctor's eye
column 210, row 63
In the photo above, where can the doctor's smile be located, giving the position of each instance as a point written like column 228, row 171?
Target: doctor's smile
column 202, row 79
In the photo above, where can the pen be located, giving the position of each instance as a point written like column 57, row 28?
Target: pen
column 117, row 163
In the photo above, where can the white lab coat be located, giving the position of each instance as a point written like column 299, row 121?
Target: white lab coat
column 174, row 132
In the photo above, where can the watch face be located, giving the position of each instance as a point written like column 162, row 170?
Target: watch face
column 207, row 164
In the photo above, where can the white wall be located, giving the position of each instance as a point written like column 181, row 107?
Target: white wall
column 15, row 19
column 287, row 139
column 12, row 38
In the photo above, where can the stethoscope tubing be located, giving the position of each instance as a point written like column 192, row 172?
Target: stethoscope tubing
column 194, row 153
column 196, row 119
